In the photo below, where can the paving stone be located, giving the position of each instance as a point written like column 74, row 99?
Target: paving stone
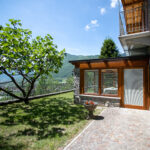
column 121, row 129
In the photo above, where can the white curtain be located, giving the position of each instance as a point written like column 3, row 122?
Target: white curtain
column 133, row 87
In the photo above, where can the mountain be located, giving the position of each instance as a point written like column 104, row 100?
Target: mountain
column 4, row 78
column 66, row 70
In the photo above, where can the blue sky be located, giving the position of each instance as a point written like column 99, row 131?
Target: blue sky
column 79, row 26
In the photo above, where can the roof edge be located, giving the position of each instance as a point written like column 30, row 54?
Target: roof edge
column 110, row 59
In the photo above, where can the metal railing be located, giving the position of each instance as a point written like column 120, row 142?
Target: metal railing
column 134, row 20
column 38, row 90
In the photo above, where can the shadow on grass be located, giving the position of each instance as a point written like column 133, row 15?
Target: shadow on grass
column 5, row 145
column 41, row 115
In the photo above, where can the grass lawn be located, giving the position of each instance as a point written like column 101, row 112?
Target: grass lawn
column 45, row 124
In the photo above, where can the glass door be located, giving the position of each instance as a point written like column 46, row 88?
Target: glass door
column 133, row 87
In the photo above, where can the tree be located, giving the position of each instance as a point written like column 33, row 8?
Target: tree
column 109, row 49
column 29, row 58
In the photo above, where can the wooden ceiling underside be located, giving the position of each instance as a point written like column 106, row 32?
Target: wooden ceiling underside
column 131, row 2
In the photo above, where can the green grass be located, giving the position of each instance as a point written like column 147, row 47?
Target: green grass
column 45, row 124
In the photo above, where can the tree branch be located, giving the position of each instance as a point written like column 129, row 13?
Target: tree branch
column 32, row 86
column 24, row 76
column 14, row 81
column 11, row 94
column 22, row 82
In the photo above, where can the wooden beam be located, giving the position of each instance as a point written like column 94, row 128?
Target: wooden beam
column 122, row 88
column 99, row 82
column 132, row 2
column 81, row 81
column 114, row 64
column 145, row 88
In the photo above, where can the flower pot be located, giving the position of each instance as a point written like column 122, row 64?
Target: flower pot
column 90, row 108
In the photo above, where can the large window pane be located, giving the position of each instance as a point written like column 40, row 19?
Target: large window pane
column 91, row 81
column 109, row 81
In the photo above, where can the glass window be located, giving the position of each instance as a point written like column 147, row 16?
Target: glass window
column 91, row 81
column 109, row 81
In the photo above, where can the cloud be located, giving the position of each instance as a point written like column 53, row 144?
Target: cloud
column 94, row 21
column 87, row 27
column 102, row 11
column 92, row 24
column 113, row 3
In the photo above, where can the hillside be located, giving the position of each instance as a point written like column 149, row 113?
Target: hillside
column 67, row 68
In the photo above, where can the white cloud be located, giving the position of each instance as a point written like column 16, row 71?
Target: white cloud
column 92, row 24
column 94, row 21
column 102, row 11
column 113, row 3
column 87, row 27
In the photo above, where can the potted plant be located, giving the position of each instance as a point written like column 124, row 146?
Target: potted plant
column 90, row 106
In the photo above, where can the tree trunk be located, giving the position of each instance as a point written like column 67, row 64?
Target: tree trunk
column 26, row 101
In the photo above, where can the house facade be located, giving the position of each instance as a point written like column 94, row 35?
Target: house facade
column 123, row 81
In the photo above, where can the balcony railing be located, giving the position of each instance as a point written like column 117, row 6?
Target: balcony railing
column 134, row 20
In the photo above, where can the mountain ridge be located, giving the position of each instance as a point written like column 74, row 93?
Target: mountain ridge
column 65, row 71
column 67, row 68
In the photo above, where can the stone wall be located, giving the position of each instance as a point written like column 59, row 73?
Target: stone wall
column 76, row 85
column 102, row 100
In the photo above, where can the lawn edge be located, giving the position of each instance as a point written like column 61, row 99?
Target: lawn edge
column 76, row 136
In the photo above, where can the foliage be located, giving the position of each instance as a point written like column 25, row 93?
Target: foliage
column 67, row 68
column 29, row 58
column 65, row 71
column 109, row 49
column 70, row 80
column 46, row 123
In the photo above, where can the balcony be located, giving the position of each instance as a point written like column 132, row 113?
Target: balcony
column 134, row 20
column 135, row 30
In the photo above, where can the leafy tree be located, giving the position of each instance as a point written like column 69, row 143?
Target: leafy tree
column 70, row 80
column 109, row 49
column 29, row 58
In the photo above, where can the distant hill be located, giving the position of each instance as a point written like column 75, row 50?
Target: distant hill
column 4, row 78
column 66, row 70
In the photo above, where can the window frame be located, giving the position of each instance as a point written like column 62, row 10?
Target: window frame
column 112, row 95
column 84, row 82
column 82, row 78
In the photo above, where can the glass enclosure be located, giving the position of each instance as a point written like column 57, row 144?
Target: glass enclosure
column 109, row 81
column 91, row 81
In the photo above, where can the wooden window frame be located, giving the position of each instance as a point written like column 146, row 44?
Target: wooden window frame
column 99, row 85
column 98, row 81
column 111, row 95
column 145, row 89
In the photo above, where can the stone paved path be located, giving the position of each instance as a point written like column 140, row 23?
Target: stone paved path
column 121, row 129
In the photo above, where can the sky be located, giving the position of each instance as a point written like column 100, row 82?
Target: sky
column 79, row 26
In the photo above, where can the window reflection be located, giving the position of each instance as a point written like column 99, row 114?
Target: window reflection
column 91, row 81
column 109, row 81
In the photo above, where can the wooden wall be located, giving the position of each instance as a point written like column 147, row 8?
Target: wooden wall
column 120, row 65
